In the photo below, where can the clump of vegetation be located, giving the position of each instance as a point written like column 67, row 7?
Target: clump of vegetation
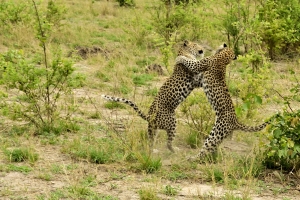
column 149, row 164
column 113, row 105
column 283, row 150
column 199, row 123
column 21, row 155
column 99, row 151
column 170, row 191
column 127, row 3
column 148, row 194
column 41, row 85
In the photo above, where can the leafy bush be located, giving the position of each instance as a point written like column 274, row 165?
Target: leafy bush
column 199, row 117
column 128, row 3
column 283, row 151
column 39, row 86
column 168, row 19
column 12, row 12
column 279, row 27
column 271, row 26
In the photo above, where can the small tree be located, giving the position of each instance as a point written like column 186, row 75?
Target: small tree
column 39, row 88
column 169, row 18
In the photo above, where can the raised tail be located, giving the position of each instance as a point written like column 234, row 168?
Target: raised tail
column 128, row 102
column 251, row 128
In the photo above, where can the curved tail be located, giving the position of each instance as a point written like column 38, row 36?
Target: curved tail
column 252, row 128
column 128, row 102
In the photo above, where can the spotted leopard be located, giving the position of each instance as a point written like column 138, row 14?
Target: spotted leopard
column 177, row 87
column 212, row 69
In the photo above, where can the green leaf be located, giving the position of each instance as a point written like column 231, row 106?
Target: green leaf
column 246, row 106
column 257, row 99
column 277, row 133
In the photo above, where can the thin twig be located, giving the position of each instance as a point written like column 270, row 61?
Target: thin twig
column 288, row 103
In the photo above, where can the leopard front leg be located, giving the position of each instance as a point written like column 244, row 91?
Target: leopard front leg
column 193, row 65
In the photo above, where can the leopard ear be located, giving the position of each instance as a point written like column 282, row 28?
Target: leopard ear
column 224, row 45
column 185, row 43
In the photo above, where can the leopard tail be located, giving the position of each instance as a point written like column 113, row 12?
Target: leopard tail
column 128, row 102
column 251, row 128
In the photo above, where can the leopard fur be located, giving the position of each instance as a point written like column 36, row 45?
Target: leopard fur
column 177, row 87
column 212, row 69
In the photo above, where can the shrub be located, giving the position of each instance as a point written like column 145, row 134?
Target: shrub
column 279, row 27
column 12, row 12
column 128, row 3
column 168, row 19
column 283, row 151
column 200, row 123
column 40, row 85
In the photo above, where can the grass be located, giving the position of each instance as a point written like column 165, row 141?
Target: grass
column 113, row 105
column 149, row 164
column 95, row 160
column 16, row 168
column 148, row 194
column 170, row 191
column 21, row 154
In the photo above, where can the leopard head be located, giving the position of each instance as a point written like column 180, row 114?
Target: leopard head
column 225, row 55
column 191, row 50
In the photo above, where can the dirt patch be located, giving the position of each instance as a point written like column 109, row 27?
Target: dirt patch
column 86, row 52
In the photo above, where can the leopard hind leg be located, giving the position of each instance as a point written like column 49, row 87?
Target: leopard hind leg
column 221, row 129
column 166, row 120
column 171, row 134
column 152, row 132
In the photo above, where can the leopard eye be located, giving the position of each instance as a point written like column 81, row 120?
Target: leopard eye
column 200, row 51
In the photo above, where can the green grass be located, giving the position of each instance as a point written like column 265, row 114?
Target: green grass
column 21, row 155
column 16, row 168
column 152, row 92
column 170, row 191
column 113, row 105
column 142, row 79
column 102, row 76
column 90, row 152
column 149, row 164
column 99, row 151
column 148, row 194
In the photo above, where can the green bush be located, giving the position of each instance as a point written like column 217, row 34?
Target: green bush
column 128, row 3
column 12, row 12
column 200, row 123
column 279, row 27
column 40, row 86
column 169, row 18
column 283, row 151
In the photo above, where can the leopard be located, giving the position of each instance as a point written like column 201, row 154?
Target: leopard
column 212, row 69
column 175, row 89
